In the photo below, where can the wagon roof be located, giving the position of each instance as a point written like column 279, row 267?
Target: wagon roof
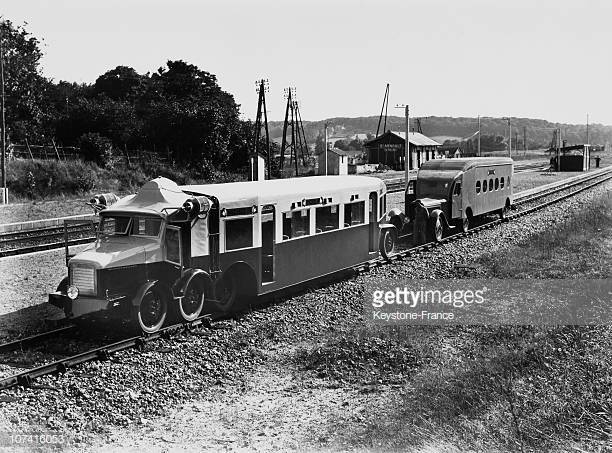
column 240, row 194
column 464, row 163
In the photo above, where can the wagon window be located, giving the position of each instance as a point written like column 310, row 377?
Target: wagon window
column 457, row 189
column 501, row 182
column 173, row 245
column 496, row 183
column 296, row 224
column 508, row 181
column 490, row 184
column 238, row 233
column 327, row 218
column 484, row 185
column 354, row 213
column 477, row 186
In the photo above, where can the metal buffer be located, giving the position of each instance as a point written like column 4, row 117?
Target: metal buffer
column 262, row 86
column 296, row 142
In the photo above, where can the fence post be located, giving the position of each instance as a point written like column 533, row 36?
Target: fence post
column 56, row 151
column 29, row 150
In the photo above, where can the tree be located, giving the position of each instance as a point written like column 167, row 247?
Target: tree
column 25, row 87
column 121, row 83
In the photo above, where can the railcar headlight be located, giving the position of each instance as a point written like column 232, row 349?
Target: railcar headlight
column 72, row 292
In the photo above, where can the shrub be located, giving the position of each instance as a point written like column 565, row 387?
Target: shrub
column 97, row 148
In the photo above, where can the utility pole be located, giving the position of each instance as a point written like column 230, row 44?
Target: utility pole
column 407, row 153
column 525, row 139
column 325, row 151
column 3, row 161
column 479, row 136
column 587, row 142
column 509, row 136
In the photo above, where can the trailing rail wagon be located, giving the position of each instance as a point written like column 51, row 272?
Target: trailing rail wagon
column 448, row 194
column 196, row 249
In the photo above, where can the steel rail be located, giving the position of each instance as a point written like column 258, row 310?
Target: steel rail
column 420, row 248
column 27, row 341
column 25, row 378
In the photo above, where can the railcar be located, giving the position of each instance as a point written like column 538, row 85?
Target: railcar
column 449, row 194
column 188, row 250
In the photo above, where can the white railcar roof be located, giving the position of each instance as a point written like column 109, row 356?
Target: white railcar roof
column 284, row 191
column 162, row 193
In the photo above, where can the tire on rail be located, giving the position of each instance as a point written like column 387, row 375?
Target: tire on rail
column 436, row 226
column 191, row 304
column 234, row 289
column 152, row 310
column 388, row 239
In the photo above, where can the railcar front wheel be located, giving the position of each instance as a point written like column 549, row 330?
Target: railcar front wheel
column 192, row 302
column 152, row 311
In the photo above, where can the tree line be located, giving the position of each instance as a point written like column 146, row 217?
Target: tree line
column 179, row 112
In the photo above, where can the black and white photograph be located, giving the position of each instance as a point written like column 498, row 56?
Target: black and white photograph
column 306, row 225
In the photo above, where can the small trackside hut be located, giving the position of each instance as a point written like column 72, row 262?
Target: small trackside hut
column 448, row 194
column 199, row 249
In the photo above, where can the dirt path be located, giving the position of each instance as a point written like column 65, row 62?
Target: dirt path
column 272, row 412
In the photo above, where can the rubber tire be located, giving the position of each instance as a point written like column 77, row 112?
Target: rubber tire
column 63, row 286
column 503, row 212
column 195, row 287
column 151, row 292
column 436, row 227
column 387, row 242
column 225, row 302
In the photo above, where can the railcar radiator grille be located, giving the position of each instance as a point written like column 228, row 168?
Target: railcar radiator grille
column 84, row 278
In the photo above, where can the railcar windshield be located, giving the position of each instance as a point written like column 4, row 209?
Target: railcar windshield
column 124, row 225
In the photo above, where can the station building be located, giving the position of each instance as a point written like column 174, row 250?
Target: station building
column 388, row 149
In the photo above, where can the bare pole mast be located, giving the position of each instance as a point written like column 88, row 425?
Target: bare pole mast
column 2, row 107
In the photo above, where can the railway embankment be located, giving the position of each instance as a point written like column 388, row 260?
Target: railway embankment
column 307, row 373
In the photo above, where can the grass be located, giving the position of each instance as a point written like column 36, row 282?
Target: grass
column 483, row 388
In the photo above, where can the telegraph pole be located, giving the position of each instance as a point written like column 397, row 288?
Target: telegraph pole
column 407, row 153
column 325, row 150
column 478, row 154
column 587, row 142
column 3, row 161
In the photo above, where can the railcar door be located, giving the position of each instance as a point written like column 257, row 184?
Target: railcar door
column 457, row 200
column 373, row 213
column 268, row 231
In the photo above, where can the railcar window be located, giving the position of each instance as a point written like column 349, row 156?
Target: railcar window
column 173, row 246
column 296, row 224
column 354, row 213
column 496, row 183
column 508, row 181
column 501, row 182
column 115, row 225
column 477, row 186
column 490, row 184
column 146, row 226
column 484, row 185
column 238, row 233
column 327, row 218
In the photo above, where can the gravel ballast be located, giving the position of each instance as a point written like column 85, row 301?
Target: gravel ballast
column 102, row 398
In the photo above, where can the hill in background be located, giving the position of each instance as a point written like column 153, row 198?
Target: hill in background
column 538, row 132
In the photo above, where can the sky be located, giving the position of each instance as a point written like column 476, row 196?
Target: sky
column 520, row 58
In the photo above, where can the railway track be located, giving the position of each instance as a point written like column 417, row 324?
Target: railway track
column 47, row 238
column 40, row 239
column 27, row 377
column 398, row 184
